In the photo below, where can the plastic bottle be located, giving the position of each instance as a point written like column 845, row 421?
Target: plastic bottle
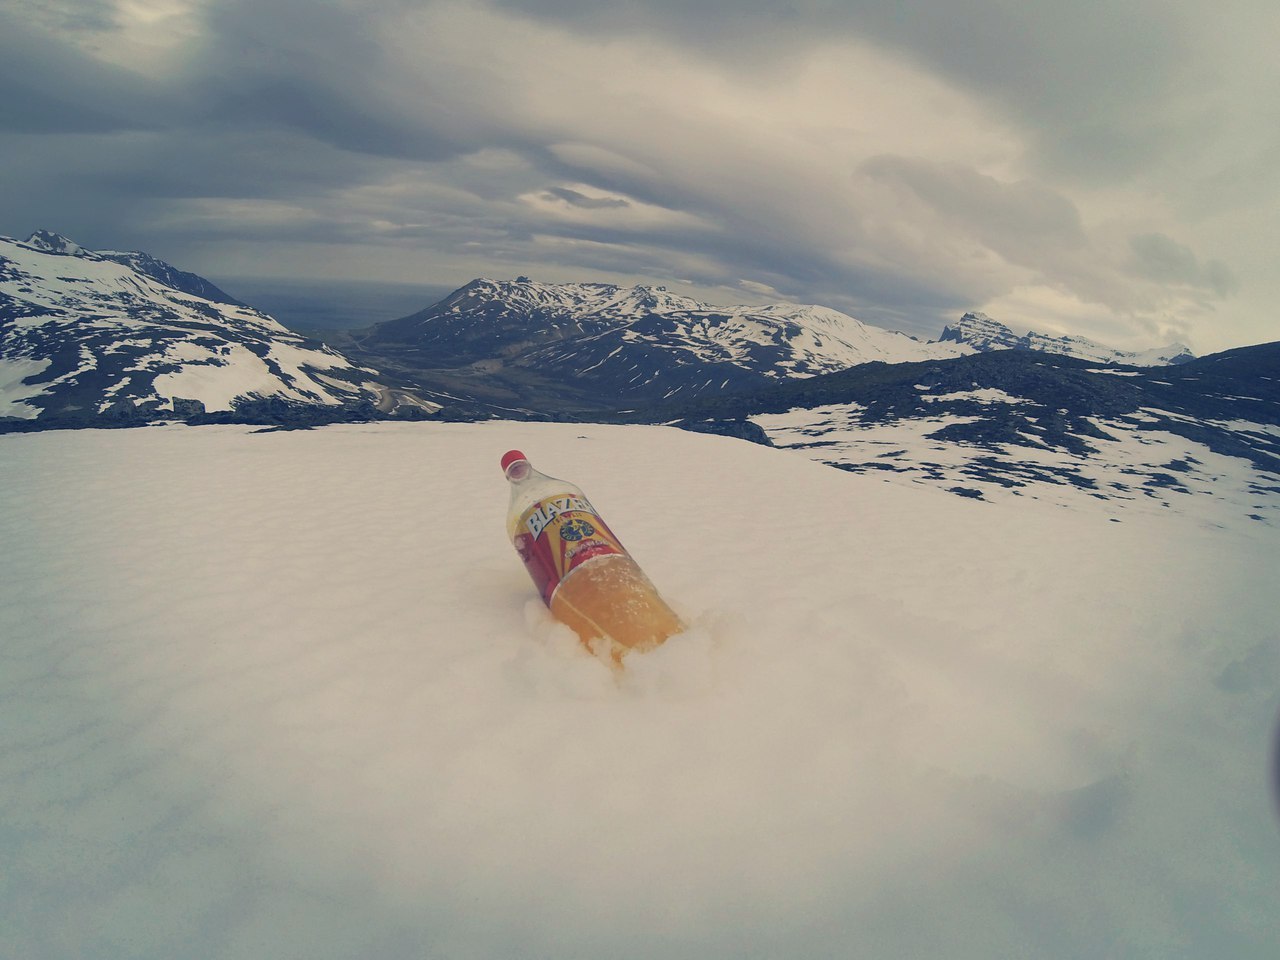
column 582, row 571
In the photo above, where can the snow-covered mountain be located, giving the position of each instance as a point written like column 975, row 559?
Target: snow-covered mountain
column 572, row 347
column 979, row 331
column 139, row 262
column 633, row 344
column 86, row 334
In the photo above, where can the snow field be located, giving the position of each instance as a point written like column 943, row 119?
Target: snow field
column 13, row 392
column 290, row 694
column 1214, row 489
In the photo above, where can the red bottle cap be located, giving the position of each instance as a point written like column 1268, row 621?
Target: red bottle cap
column 510, row 457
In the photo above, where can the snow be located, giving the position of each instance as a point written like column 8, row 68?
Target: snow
column 13, row 392
column 799, row 340
column 229, row 371
column 983, row 333
column 1127, row 470
column 104, row 305
column 288, row 694
column 982, row 395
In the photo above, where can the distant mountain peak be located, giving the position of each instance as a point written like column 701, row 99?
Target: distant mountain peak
column 576, row 299
column 984, row 333
column 611, row 343
column 48, row 241
column 92, row 337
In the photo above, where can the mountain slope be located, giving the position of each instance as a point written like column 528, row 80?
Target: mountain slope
column 979, row 331
column 1014, row 422
column 607, row 344
column 84, row 334
column 566, row 349
column 137, row 261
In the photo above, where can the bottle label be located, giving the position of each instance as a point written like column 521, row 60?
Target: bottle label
column 557, row 535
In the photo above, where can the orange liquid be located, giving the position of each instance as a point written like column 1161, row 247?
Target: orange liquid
column 609, row 601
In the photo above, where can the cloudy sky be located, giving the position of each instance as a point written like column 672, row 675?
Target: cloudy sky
column 1101, row 168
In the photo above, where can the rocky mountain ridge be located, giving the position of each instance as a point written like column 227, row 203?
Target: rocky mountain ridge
column 563, row 349
column 139, row 262
column 87, row 337
column 604, row 343
column 983, row 333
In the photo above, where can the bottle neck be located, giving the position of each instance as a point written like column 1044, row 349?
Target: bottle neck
column 519, row 470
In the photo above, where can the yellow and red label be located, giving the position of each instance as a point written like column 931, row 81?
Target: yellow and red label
column 557, row 535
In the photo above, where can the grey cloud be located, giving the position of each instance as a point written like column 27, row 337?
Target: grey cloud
column 1088, row 77
column 320, row 70
column 903, row 296
column 1024, row 222
column 587, row 203
column 301, row 109
column 317, row 69
column 774, row 237
column 268, row 65
column 52, row 87
column 648, row 187
column 330, row 115
column 1040, row 229
column 1164, row 260
column 731, row 243
column 65, row 15
column 203, row 163
column 272, row 101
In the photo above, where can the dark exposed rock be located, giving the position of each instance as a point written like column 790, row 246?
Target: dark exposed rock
column 740, row 429
column 183, row 408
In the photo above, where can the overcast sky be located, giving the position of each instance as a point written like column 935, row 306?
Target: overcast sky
column 1110, row 169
